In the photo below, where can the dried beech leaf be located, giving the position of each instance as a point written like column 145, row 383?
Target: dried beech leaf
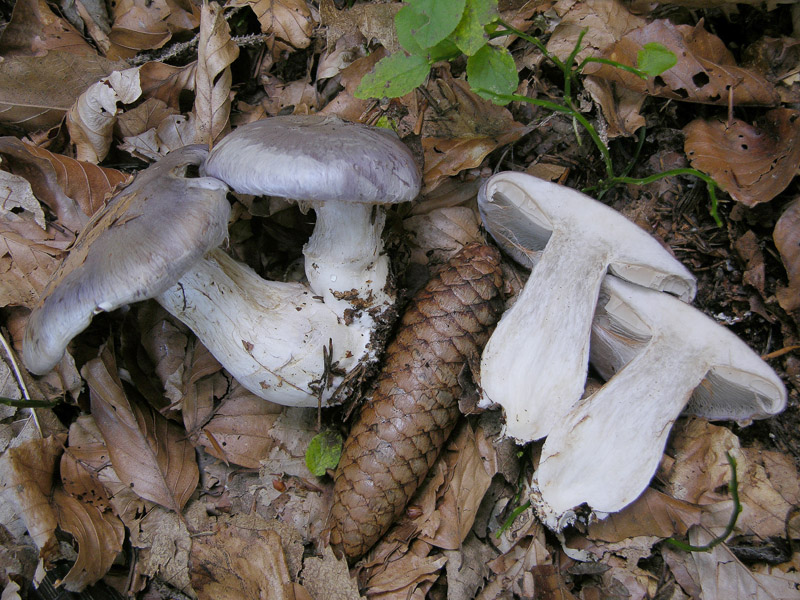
column 16, row 197
column 138, row 25
column 329, row 577
column 147, row 115
column 370, row 21
column 787, row 240
column 706, row 71
column 204, row 383
column 345, row 104
column 752, row 163
column 71, row 189
column 26, row 482
column 82, row 462
column 37, row 91
column 165, row 82
column 91, row 120
column 99, row 536
column 409, row 577
column 34, row 30
column 165, row 345
column 216, row 51
column 175, row 131
column 238, row 563
column 149, row 453
column 289, row 20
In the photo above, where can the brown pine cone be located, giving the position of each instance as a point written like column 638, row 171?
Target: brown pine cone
column 414, row 403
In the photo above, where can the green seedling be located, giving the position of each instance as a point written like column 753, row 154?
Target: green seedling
column 324, row 452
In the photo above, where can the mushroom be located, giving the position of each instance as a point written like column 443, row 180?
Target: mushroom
column 669, row 357
column 346, row 172
column 133, row 249
column 536, row 361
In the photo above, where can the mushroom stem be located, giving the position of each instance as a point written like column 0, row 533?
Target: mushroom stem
column 570, row 288
column 344, row 262
column 269, row 335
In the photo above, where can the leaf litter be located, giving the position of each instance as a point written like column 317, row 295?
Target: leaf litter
column 166, row 454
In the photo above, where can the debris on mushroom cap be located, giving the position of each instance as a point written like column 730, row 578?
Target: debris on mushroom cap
column 676, row 355
column 536, row 361
column 133, row 249
column 342, row 170
column 269, row 335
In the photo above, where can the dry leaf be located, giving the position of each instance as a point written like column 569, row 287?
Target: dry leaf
column 165, row 345
column 409, row 577
column 16, row 196
column 238, row 563
column 787, row 240
column 373, row 21
column 147, row 115
column 26, row 482
column 174, row 132
column 344, row 104
column 71, row 189
column 437, row 235
column 329, row 577
column 706, row 71
column 468, row 567
column 34, row 30
column 82, row 462
column 99, row 536
column 216, row 51
column 91, row 120
column 755, row 270
column 149, row 453
column 203, row 385
column 289, row 20
column 165, row 82
column 138, row 25
column 37, row 91
column 619, row 104
column 752, row 163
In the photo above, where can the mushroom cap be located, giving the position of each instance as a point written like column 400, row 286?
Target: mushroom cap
column 522, row 212
column 317, row 159
column 141, row 243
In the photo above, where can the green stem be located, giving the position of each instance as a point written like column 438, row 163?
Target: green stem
column 22, row 403
column 612, row 63
column 512, row 517
column 509, row 30
column 733, row 488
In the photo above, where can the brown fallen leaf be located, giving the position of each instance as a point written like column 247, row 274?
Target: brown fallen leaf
column 755, row 270
column 165, row 82
column 289, row 20
column 71, row 189
column 26, row 482
column 411, row 576
column 165, row 345
column 149, row 453
column 237, row 563
column 345, row 104
column 82, row 462
column 787, row 240
column 372, row 21
column 753, row 163
column 37, row 91
column 329, row 577
column 706, row 70
column 99, row 536
column 137, row 25
column 34, row 30
column 216, row 51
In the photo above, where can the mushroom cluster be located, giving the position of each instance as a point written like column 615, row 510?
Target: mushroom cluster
column 159, row 238
column 602, row 289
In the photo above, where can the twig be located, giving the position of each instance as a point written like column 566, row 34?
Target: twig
column 20, row 380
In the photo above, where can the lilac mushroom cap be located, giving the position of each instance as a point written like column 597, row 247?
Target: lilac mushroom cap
column 346, row 172
column 136, row 247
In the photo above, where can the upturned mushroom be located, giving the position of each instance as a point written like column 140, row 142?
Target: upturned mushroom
column 669, row 358
column 135, row 248
column 536, row 361
column 347, row 173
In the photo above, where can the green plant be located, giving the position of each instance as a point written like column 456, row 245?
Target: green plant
column 431, row 31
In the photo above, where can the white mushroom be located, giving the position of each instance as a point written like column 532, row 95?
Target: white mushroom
column 605, row 451
column 346, row 172
column 536, row 361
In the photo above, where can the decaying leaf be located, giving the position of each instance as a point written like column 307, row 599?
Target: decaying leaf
column 372, row 21
column 34, row 30
column 16, row 196
column 71, row 189
column 787, row 241
column 37, row 91
column 91, row 120
column 149, row 453
column 753, row 163
column 289, row 20
column 216, row 52
column 329, row 577
column 99, row 536
column 138, row 25
column 706, row 71
column 26, row 482
column 82, row 462
column 165, row 82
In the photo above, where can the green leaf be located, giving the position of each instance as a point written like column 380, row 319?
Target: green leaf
column 323, row 452
column 407, row 22
column 438, row 19
column 444, row 50
column 394, row 76
column 470, row 34
column 492, row 70
column 655, row 58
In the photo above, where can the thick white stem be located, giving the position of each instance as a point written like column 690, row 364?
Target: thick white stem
column 269, row 335
column 535, row 363
column 344, row 258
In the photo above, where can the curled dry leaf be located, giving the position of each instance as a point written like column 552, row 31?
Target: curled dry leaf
column 787, row 240
column 289, row 20
column 138, row 25
column 99, row 536
column 216, row 52
column 753, row 163
column 91, row 120
column 149, row 453
column 37, row 91
column 16, row 197
column 26, row 482
column 706, row 71
column 165, row 82
column 71, row 189
column 34, row 30
column 240, row 563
